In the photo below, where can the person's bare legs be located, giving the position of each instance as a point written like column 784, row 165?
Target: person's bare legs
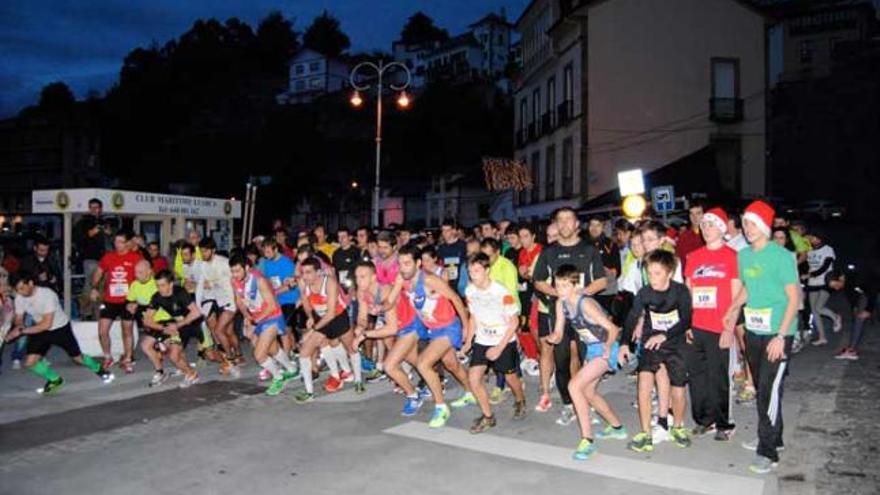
column 104, row 337
column 403, row 348
column 127, row 340
column 433, row 353
column 547, row 364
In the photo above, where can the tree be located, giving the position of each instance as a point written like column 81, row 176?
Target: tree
column 56, row 97
column 420, row 29
column 276, row 42
column 325, row 36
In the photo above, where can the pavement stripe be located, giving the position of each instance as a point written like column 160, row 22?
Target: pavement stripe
column 630, row 470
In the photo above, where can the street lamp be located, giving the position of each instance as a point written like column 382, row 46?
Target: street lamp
column 403, row 101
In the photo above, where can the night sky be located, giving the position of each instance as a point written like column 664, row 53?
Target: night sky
column 83, row 42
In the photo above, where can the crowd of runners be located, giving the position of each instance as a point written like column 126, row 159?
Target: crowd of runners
column 702, row 316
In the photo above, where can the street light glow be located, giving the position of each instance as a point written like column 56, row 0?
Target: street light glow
column 356, row 100
column 403, row 100
column 354, row 184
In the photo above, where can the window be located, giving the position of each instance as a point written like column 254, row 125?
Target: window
column 316, row 83
column 808, row 47
column 314, row 66
column 551, row 99
column 300, row 85
column 500, row 39
column 550, row 182
column 725, row 78
column 523, row 110
column 567, row 167
column 536, row 174
column 568, row 83
column 536, row 104
column 300, row 68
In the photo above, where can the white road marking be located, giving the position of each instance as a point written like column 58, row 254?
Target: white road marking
column 630, row 470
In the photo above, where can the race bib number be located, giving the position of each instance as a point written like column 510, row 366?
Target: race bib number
column 451, row 265
column 662, row 322
column 493, row 333
column 118, row 289
column 586, row 335
column 276, row 282
column 705, row 297
column 758, row 320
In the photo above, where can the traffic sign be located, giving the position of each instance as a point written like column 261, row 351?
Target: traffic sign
column 663, row 199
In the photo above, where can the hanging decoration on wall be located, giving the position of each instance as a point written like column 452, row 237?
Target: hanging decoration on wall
column 503, row 173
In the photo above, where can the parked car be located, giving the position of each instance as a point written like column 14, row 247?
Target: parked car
column 820, row 209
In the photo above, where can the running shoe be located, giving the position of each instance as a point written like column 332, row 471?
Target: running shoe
column 106, row 376
column 702, row 430
column 838, row 324
column 642, row 442
column 544, row 404
column 346, row 377
column 566, row 416
column 411, row 406
column 264, row 375
column 612, row 433
column 359, row 388
column 482, row 424
column 725, row 435
column 797, row 346
column 681, row 436
column 51, row 386
column 497, row 396
column 275, row 387
column 819, row 342
column 747, row 394
column 158, row 379
column 303, row 397
column 753, row 446
column 585, row 449
column 16, row 364
column 519, row 410
column 189, row 381
column 290, row 375
column 367, row 364
column 440, row 417
column 660, row 434
column 374, row 375
column 425, row 393
column 332, row 384
column 762, row 465
column 466, row 399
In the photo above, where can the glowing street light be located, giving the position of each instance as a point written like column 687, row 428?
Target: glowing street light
column 356, row 100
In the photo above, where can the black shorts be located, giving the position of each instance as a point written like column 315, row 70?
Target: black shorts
column 545, row 324
column 210, row 307
column 184, row 334
column 505, row 364
column 39, row 343
column 672, row 357
column 119, row 311
column 337, row 327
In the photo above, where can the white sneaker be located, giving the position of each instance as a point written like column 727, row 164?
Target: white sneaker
column 566, row 416
column 158, row 379
column 660, row 434
column 189, row 381
column 16, row 364
column 838, row 323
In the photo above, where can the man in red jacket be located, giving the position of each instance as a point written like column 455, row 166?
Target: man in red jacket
column 691, row 239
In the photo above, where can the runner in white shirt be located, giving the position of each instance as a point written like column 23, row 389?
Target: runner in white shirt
column 215, row 298
column 494, row 320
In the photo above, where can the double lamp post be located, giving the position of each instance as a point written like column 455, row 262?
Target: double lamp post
column 379, row 70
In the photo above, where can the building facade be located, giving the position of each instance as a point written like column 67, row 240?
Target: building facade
column 311, row 75
column 612, row 85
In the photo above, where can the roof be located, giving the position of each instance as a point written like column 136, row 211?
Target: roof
column 492, row 19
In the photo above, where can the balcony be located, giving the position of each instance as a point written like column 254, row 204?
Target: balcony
column 533, row 131
column 547, row 123
column 520, row 138
column 565, row 112
column 726, row 110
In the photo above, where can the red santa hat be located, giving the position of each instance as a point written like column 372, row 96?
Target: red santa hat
column 760, row 214
column 718, row 217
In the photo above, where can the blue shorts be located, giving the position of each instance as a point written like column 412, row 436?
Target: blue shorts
column 452, row 332
column 594, row 351
column 278, row 322
column 415, row 326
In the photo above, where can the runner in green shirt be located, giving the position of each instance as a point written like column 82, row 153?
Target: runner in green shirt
column 770, row 295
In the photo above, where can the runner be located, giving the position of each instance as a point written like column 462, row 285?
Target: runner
column 569, row 250
column 690, row 240
column 215, row 298
column 503, row 271
column 51, row 328
column 860, row 288
column 362, row 240
column 712, row 277
column 494, row 320
column 386, row 259
column 436, row 305
column 170, row 321
column 599, row 335
column 659, row 318
column 453, row 253
column 320, row 242
column 328, row 325
column 610, row 260
column 431, row 262
column 770, row 296
column 141, row 291
column 263, row 320
column 821, row 261
column 280, row 271
column 118, row 267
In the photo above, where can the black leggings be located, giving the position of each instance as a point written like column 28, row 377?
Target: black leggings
column 562, row 356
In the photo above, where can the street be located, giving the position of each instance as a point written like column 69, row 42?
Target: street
column 225, row 436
